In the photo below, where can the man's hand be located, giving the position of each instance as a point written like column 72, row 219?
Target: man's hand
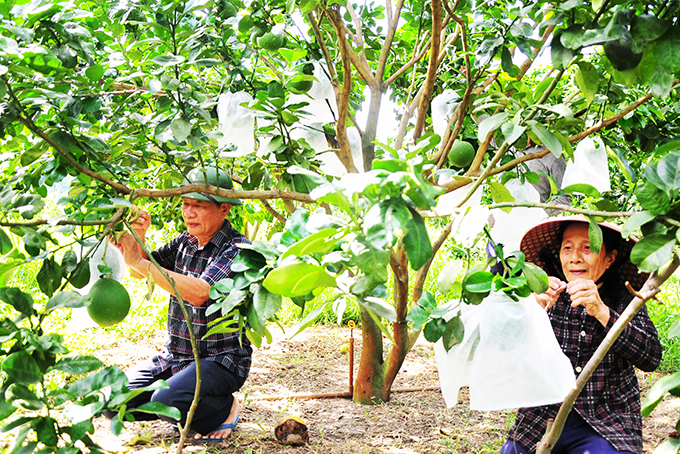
column 128, row 246
column 550, row 296
column 141, row 224
column 584, row 292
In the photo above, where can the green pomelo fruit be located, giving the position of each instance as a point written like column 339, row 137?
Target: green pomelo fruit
column 229, row 10
column 270, row 41
column 462, row 153
column 300, row 86
column 110, row 302
column 256, row 34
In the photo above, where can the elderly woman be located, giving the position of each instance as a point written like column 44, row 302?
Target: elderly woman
column 585, row 298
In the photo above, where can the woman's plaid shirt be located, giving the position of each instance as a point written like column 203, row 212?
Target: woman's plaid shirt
column 211, row 263
column 610, row 401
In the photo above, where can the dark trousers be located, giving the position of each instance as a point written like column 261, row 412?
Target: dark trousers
column 217, row 387
column 577, row 438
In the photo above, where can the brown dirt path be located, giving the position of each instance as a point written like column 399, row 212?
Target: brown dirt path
column 316, row 362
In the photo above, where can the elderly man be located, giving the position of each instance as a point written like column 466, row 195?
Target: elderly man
column 195, row 260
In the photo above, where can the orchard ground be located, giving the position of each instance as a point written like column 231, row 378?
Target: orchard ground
column 315, row 362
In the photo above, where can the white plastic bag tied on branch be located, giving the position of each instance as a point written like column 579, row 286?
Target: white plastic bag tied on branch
column 322, row 107
column 509, row 357
column 443, row 106
column 508, row 228
column 237, row 123
column 106, row 255
column 589, row 166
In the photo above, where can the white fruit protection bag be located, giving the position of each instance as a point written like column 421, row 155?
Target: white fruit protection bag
column 509, row 357
column 108, row 255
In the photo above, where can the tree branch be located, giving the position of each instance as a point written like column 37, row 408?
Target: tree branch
column 437, row 12
column 345, row 152
column 649, row 290
column 567, row 208
column 273, row 212
column 230, row 193
column 393, row 24
column 192, row 337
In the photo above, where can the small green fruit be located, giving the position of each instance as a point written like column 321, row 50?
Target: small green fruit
column 462, row 153
column 110, row 302
column 270, row 41
column 229, row 10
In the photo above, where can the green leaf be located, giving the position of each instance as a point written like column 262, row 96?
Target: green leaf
column 547, row 138
column 454, row 333
column 5, row 243
column 379, row 307
column 490, row 124
column 434, row 329
column 22, row 368
column 297, row 279
column 19, row 300
column 561, row 56
column 49, row 276
column 181, row 128
column 634, row 222
column 45, row 430
column 266, row 304
column 594, row 236
column 674, row 329
column 316, row 243
column 417, row 241
column 69, row 261
column 588, row 80
column 500, row 194
column 512, row 130
column 159, row 409
column 667, row 51
column 449, row 275
column 109, row 376
column 658, row 390
column 94, row 72
column 668, row 171
column 653, row 251
column 667, row 147
column 670, row 446
column 582, row 188
column 79, row 364
column 618, row 157
column 536, row 277
column 66, row 299
column 652, row 199
column 81, row 276
column 479, row 282
column 77, row 413
column 309, row 319
column 169, row 60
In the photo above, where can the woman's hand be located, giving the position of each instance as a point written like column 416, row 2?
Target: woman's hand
column 584, row 292
column 550, row 296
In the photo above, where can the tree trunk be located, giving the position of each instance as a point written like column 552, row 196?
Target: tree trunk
column 368, row 386
column 375, row 377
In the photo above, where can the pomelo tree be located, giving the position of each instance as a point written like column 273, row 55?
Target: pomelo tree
column 110, row 104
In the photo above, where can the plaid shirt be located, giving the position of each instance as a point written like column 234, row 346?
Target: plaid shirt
column 211, row 263
column 610, row 401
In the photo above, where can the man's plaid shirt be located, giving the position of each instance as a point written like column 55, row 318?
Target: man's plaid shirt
column 610, row 401
column 212, row 262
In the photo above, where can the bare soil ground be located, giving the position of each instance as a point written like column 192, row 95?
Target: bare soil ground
column 316, row 362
